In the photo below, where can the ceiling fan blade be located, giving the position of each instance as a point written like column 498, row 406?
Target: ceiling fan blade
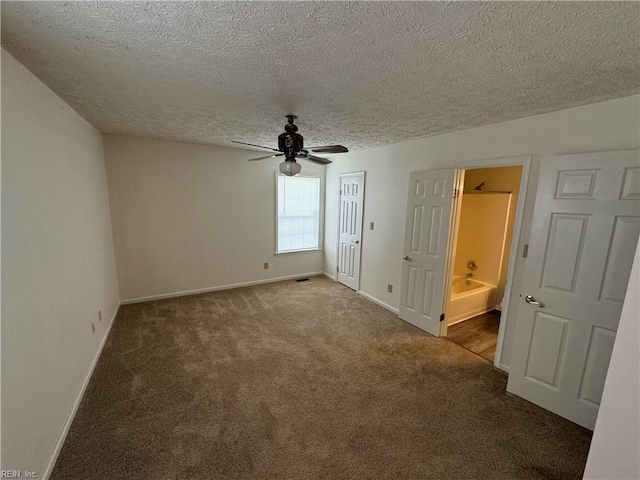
column 318, row 160
column 253, row 145
column 329, row 149
column 267, row 156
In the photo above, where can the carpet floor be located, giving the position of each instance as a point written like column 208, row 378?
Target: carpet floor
column 302, row 381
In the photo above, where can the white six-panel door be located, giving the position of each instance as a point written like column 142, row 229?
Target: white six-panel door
column 583, row 238
column 425, row 248
column 350, row 228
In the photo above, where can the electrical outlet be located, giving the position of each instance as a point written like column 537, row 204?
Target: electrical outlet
column 390, row 288
column 93, row 329
column 99, row 315
column 266, row 265
column 371, row 226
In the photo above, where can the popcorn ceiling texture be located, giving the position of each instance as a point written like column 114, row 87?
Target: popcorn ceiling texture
column 363, row 74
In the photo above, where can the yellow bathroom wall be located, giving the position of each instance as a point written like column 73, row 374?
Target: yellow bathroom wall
column 481, row 235
column 502, row 179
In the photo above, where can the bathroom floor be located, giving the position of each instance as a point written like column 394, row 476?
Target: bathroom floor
column 478, row 334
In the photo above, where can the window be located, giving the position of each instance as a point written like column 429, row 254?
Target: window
column 298, row 213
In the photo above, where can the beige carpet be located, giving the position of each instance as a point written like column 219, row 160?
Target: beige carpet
column 302, row 381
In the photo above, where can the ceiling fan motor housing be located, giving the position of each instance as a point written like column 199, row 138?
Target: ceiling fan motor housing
column 290, row 142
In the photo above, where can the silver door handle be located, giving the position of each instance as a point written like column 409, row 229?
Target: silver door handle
column 407, row 258
column 532, row 301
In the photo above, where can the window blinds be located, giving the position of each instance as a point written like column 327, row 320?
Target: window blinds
column 298, row 226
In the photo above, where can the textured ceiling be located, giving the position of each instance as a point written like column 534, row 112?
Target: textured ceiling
column 362, row 74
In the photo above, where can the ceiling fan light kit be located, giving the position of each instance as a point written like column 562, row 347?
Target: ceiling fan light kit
column 290, row 168
column 291, row 146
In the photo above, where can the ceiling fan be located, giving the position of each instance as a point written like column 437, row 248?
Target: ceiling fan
column 291, row 146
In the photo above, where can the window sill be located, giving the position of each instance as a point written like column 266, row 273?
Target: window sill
column 295, row 252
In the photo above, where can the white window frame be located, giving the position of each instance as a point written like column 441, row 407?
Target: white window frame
column 320, row 215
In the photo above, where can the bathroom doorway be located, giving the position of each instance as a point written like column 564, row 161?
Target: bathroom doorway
column 485, row 223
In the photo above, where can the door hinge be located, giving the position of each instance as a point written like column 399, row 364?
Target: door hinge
column 340, row 192
column 442, row 317
column 455, row 193
column 525, row 251
column 338, row 269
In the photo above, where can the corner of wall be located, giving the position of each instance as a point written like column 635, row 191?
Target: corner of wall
column 67, row 426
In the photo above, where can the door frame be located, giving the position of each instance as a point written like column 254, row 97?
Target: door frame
column 364, row 182
column 506, row 317
column 454, row 223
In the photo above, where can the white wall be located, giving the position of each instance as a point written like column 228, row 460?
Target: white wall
column 188, row 217
column 611, row 125
column 58, row 266
column 616, row 438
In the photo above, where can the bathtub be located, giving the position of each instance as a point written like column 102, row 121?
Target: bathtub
column 469, row 297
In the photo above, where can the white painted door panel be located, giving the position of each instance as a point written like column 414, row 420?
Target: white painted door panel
column 351, row 205
column 586, row 226
column 425, row 248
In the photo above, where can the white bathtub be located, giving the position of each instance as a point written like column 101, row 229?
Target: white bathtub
column 469, row 297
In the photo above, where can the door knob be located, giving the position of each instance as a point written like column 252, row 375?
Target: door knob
column 532, row 301
column 407, row 258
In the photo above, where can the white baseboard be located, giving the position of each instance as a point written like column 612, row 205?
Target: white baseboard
column 503, row 367
column 65, row 429
column 329, row 276
column 215, row 289
column 379, row 302
column 472, row 315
